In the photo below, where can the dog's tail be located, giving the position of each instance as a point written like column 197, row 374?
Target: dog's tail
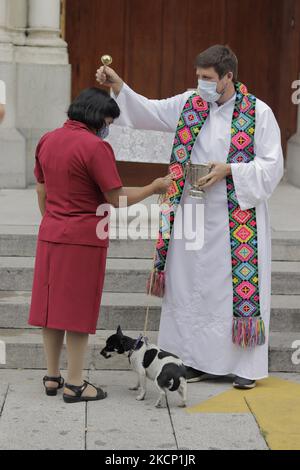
column 170, row 376
column 169, row 383
column 174, row 384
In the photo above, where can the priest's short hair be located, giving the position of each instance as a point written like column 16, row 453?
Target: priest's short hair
column 222, row 58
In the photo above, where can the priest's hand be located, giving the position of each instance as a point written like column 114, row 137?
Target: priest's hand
column 219, row 171
column 108, row 77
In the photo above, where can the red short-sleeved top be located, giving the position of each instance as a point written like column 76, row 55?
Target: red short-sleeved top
column 77, row 167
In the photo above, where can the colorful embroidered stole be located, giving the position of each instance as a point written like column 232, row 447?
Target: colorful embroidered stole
column 248, row 327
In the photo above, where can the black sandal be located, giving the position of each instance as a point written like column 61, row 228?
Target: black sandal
column 79, row 391
column 52, row 391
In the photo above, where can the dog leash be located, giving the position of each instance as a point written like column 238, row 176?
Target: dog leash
column 161, row 200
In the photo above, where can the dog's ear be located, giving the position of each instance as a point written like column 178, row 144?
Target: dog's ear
column 119, row 331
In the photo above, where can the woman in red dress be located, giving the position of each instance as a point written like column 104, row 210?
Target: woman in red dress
column 76, row 173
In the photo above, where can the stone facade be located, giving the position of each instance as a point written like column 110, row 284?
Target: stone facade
column 35, row 67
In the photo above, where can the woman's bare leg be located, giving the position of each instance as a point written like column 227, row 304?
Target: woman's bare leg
column 53, row 343
column 76, row 348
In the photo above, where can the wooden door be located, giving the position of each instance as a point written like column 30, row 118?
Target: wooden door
column 154, row 46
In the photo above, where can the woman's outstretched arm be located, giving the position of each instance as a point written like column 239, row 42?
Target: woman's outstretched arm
column 125, row 197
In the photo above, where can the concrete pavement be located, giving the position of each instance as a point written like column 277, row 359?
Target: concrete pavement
column 29, row 420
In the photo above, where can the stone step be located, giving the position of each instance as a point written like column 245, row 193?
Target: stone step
column 129, row 310
column 284, row 355
column 286, row 246
column 21, row 241
column 130, row 275
column 24, row 245
column 286, row 278
column 24, row 350
column 285, row 313
column 122, row 275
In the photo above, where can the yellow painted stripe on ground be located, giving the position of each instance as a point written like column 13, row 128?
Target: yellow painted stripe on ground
column 275, row 403
column 231, row 401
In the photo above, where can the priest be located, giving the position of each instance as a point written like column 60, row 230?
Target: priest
column 216, row 298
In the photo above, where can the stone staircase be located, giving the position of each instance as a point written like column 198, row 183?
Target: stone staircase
column 124, row 300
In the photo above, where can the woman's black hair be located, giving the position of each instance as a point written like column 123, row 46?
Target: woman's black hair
column 92, row 106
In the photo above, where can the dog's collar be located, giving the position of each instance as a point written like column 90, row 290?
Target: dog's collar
column 140, row 339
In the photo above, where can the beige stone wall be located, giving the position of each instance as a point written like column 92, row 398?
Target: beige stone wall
column 35, row 67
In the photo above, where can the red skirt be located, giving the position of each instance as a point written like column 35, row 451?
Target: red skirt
column 67, row 287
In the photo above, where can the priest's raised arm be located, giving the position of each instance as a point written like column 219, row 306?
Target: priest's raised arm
column 139, row 112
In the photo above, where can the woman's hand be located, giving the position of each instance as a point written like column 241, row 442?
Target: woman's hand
column 162, row 185
column 218, row 173
column 136, row 195
column 108, row 77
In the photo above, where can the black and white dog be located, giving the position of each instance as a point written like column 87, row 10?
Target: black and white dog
column 148, row 361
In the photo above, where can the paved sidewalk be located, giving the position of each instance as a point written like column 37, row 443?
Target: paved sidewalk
column 214, row 420
column 31, row 420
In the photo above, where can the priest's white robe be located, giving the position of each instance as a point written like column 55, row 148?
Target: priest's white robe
column 197, row 310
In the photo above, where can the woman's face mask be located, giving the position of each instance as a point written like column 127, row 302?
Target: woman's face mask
column 208, row 91
column 103, row 133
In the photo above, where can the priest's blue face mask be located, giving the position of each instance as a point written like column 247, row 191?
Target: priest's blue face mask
column 103, row 133
column 208, row 91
